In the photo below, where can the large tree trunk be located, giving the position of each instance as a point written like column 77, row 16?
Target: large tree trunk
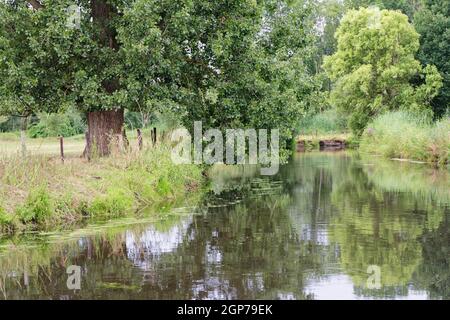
column 105, row 131
column 105, row 128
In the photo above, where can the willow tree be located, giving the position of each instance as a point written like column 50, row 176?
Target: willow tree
column 374, row 68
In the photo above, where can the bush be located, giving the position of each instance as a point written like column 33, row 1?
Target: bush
column 8, row 124
column 329, row 121
column 37, row 208
column 407, row 136
column 57, row 124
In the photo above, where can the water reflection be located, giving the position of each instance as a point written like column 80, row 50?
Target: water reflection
column 151, row 244
column 308, row 233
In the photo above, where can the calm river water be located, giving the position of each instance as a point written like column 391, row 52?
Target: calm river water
column 328, row 226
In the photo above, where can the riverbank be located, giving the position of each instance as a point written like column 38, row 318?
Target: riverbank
column 325, row 141
column 396, row 136
column 399, row 135
column 41, row 193
column 375, row 212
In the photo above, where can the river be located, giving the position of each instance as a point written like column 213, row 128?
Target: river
column 327, row 226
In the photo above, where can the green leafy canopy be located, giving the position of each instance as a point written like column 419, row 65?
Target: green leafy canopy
column 374, row 68
column 227, row 63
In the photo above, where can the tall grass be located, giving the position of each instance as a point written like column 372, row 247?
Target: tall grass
column 406, row 136
column 329, row 121
column 41, row 193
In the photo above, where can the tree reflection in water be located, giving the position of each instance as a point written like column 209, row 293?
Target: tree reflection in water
column 309, row 232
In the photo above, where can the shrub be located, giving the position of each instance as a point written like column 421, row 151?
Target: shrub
column 8, row 124
column 37, row 207
column 57, row 124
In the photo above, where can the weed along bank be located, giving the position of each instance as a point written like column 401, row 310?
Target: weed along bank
column 105, row 188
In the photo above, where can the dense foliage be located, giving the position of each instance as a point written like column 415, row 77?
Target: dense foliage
column 433, row 24
column 431, row 18
column 228, row 63
column 243, row 65
column 375, row 64
column 65, row 124
column 233, row 63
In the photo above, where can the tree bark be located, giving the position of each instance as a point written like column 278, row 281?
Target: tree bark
column 105, row 128
column 102, row 14
column 105, row 131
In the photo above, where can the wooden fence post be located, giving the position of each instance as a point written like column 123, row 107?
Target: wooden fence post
column 88, row 146
column 139, row 137
column 154, row 136
column 61, row 148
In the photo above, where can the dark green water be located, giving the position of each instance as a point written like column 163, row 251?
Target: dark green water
column 311, row 232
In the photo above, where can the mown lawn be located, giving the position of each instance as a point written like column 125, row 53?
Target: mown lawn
column 73, row 146
column 42, row 146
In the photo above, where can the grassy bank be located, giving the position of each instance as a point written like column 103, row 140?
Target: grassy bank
column 40, row 192
column 404, row 136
